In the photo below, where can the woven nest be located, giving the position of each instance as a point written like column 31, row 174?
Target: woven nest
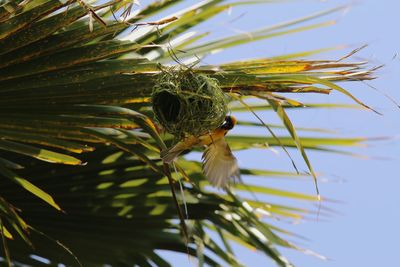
column 186, row 103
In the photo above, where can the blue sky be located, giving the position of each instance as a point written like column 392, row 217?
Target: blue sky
column 364, row 231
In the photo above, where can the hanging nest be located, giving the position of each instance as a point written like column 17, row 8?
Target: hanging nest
column 186, row 103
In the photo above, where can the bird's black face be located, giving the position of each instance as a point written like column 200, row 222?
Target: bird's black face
column 229, row 123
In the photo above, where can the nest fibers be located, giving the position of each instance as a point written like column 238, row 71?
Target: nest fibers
column 186, row 103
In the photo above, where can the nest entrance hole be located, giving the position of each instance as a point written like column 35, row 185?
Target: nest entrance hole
column 169, row 106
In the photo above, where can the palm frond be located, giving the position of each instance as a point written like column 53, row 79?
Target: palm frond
column 77, row 132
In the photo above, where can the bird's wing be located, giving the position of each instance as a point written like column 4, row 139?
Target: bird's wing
column 219, row 164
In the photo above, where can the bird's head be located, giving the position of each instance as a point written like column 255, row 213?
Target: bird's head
column 229, row 123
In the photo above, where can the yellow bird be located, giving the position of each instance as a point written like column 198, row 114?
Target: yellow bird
column 219, row 164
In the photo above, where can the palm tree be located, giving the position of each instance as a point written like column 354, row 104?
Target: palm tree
column 82, row 182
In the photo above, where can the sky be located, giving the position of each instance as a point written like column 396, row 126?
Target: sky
column 363, row 230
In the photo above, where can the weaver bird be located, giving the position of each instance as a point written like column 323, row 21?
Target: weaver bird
column 219, row 164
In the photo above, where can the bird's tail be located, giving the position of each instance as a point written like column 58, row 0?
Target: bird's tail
column 169, row 155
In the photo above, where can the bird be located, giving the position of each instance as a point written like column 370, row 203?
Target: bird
column 219, row 164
